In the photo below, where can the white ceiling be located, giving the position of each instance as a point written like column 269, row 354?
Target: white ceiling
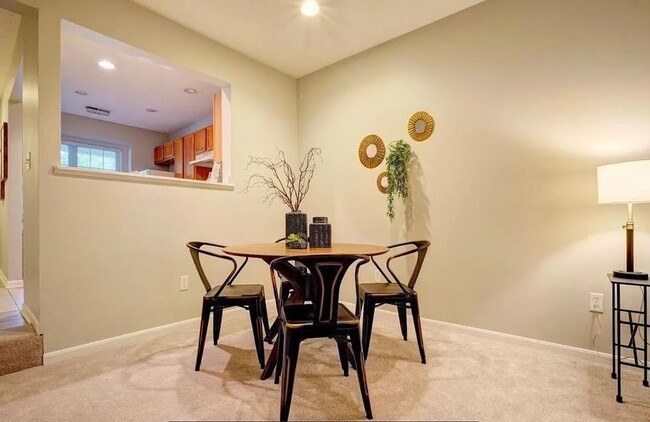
column 138, row 82
column 276, row 33
column 9, row 24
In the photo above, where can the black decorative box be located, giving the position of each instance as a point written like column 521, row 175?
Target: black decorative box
column 320, row 233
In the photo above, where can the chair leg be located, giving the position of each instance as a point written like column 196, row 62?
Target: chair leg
column 291, row 349
column 359, row 307
column 342, row 344
column 368, row 317
column 401, row 311
column 361, row 371
column 216, row 324
column 256, row 324
column 265, row 320
column 415, row 310
column 280, row 357
column 203, row 332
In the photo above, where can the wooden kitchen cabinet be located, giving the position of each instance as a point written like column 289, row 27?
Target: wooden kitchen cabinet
column 179, row 159
column 158, row 155
column 188, row 153
column 179, row 152
column 200, row 143
column 168, row 151
column 209, row 134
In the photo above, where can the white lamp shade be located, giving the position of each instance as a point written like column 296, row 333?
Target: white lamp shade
column 624, row 183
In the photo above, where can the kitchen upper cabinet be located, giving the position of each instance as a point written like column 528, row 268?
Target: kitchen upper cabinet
column 200, row 142
column 158, row 155
column 188, row 151
column 209, row 134
column 168, row 151
column 179, row 159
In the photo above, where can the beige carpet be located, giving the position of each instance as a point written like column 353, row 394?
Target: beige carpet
column 20, row 347
column 467, row 378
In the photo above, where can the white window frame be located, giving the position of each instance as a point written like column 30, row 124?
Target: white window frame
column 124, row 149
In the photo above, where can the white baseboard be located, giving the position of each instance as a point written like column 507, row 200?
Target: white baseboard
column 30, row 318
column 12, row 284
column 9, row 284
column 151, row 333
column 131, row 338
column 575, row 352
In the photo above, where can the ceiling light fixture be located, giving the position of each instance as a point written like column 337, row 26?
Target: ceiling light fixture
column 105, row 64
column 191, row 91
column 152, row 110
column 80, row 92
column 309, row 8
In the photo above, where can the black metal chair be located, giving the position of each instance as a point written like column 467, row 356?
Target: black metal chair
column 393, row 292
column 324, row 317
column 227, row 295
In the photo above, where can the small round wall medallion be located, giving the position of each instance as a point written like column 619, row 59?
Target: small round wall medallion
column 372, row 151
column 382, row 182
column 421, row 126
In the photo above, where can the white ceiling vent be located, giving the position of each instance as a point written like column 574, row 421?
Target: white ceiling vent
column 96, row 110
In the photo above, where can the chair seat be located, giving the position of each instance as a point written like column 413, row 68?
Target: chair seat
column 303, row 315
column 239, row 291
column 384, row 289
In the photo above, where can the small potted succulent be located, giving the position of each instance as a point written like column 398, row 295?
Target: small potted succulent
column 297, row 241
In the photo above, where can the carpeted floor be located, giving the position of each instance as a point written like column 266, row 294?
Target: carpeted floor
column 20, row 347
column 468, row 377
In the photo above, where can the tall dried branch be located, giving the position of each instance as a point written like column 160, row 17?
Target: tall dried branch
column 282, row 182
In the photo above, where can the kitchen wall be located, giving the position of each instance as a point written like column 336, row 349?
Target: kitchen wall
column 529, row 98
column 191, row 128
column 111, row 253
column 141, row 141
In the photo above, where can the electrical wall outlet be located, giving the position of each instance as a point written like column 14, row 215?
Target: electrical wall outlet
column 377, row 276
column 596, row 303
column 184, row 283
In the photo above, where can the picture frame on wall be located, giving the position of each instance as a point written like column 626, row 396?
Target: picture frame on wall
column 4, row 169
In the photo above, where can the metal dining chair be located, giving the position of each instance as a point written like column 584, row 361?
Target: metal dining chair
column 324, row 317
column 393, row 292
column 217, row 298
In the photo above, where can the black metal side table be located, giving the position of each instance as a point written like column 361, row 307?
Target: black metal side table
column 617, row 359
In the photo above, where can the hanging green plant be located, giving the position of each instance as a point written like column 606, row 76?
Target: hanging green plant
column 397, row 162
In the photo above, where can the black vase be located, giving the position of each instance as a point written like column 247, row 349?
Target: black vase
column 295, row 222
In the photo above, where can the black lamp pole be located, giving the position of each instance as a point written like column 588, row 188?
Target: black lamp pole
column 629, row 240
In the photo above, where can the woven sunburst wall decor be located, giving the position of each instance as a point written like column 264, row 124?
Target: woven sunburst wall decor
column 370, row 144
column 382, row 182
column 421, row 126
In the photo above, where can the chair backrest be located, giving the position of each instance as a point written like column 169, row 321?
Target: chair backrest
column 327, row 274
column 198, row 248
column 419, row 246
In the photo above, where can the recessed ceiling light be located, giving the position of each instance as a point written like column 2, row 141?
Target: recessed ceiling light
column 309, row 8
column 152, row 110
column 105, row 64
column 80, row 92
column 191, row 91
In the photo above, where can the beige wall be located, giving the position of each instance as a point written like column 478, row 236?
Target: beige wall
column 529, row 97
column 141, row 141
column 14, row 195
column 111, row 253
column 10, row 207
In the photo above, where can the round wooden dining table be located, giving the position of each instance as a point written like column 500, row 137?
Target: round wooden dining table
column 270, row 251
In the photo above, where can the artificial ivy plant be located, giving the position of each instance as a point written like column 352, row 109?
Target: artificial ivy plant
column 397, row 163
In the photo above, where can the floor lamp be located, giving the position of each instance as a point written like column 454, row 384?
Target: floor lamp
column 626, row 183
